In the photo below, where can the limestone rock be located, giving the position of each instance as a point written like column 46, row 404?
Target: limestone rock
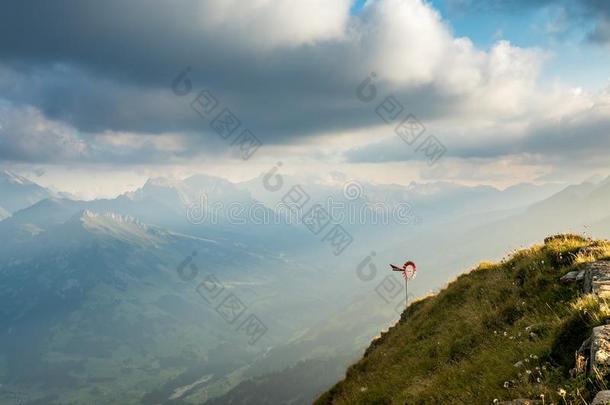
column 569, row 277
column 597, row 278
column 600, row 351
column 602, row 398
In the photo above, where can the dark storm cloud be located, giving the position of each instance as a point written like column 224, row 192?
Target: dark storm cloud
column 118, row 60
column 108, row 66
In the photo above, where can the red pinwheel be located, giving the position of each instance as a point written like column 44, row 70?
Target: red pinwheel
column 406, row 273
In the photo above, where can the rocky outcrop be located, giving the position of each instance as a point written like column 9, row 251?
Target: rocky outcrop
column 597, row 278
column 573, row 276
column 600, row 351
column 602, row 398
column 593, row 357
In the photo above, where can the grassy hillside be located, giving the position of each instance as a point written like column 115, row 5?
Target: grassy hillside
column 502, row 331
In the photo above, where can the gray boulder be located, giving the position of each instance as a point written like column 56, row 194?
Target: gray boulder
column 597, row 278
column 570, row 277
column 602, row 398
column 600, row 351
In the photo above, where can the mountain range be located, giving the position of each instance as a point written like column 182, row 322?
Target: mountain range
column 102, row 299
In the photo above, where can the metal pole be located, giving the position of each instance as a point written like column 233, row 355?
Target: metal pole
column 406, row 292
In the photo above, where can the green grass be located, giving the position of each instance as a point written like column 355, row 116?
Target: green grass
column 502, row 331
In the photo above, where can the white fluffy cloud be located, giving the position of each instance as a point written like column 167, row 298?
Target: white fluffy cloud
column 405, row 41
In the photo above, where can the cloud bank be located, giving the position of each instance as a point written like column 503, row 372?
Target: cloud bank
column 93, row 82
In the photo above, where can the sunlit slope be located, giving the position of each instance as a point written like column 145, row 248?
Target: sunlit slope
column 502, row 331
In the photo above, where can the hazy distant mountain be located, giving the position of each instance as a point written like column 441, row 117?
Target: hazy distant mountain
column 439, row 201
column 203, row 204
column 435, row 201
column 91, row 298
column 33, row 220
column 576, row 208
column 98, row 298
column 200, row 205
column 17, row 192
column 177, row 195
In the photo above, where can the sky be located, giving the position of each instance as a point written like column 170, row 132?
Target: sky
column 95, row 97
